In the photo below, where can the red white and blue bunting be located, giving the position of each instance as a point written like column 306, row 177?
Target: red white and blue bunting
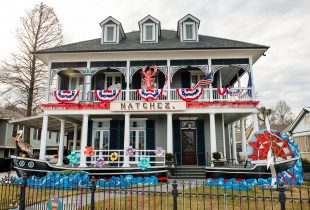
column 234, row 92
column 149, row 94
column 222, row 91
column 188, row 94
column 107, row 95
column 64, row 96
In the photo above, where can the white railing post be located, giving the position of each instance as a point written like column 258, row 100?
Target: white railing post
column 126, row 139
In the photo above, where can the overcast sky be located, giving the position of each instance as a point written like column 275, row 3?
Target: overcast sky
column 284, row 25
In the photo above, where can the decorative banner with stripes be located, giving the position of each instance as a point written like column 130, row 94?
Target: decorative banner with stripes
column 64, row 96
column 234, row 92
column 188, row 94
column 149, row 94
column 107, row 95
column 222, row 91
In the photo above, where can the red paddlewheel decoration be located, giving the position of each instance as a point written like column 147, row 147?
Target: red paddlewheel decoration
column 262, row 144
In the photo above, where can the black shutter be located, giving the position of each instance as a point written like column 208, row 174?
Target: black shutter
column 161, row 80
column 89, row 137
column 136, row 80
column 123, row 82
column 177, row 141
column 113, row 134
column 200, row 143
column 121, row 134
column 186, row 79
column 150, row 134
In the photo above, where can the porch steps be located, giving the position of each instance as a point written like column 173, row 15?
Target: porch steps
column 188, row 172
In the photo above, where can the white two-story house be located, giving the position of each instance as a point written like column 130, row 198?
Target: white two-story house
column 189, row 122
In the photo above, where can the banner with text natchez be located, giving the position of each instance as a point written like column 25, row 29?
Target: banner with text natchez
column 146, row 106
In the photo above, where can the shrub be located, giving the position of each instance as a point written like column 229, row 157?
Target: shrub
column 216, row 155
column 169, row 156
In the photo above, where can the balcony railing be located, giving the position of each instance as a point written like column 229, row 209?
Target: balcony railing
column 209, row 94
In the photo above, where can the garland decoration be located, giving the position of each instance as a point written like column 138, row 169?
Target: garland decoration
column 234, row 92
column 76, row 106
column 222, row 91
column 149, row 94
column 188, row 94
column 107, row 95
column 196, row 104
column 64, row 96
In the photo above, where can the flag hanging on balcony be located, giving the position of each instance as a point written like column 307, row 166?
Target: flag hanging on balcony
column 165, row 88
column 250, row 85
column 107, row 95
column 207, row 80
column 189, row 94
column 149, row 94
column 64, row 96
column 222, row 91
column 234, row 92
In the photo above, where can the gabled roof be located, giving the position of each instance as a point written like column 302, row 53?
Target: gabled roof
column 186, row 17
column 168, row 41
column 110, row 18
column 304, row 111
column 150, row 17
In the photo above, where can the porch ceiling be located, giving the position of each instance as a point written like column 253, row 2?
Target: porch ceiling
column 53, row 123
column 232, row 117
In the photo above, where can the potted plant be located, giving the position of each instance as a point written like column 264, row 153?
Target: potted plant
column 169, row 159
column 218, row 161
column 216, row 155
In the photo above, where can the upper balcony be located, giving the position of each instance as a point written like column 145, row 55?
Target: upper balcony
column 230, row 82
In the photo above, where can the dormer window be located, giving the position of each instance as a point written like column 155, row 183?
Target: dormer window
column 189, row 31
column 149, row 29
column 149, row 32
column 110, row 32
column 188, row 28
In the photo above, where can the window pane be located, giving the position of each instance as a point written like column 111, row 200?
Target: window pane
column 189, row 31
column 110, row 33
column 73, row 83
column 106, row 136
column 96, row 140
column 149, row 33
column 109, row 82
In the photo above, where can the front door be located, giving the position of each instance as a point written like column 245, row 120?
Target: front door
column 101, row 143
column 189, row 147
column 137, row 141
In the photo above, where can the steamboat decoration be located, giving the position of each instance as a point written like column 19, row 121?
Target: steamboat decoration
column 107, row 95
column 149, row 94
column 65, row 96
column 188, row 94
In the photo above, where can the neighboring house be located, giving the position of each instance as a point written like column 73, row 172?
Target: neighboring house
column 110, row 110
column 8, row 133
column 300, row 131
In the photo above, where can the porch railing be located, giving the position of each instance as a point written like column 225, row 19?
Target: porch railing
column 133, row 160
column 209, row 94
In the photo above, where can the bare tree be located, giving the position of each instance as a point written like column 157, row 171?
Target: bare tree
column 23, row 75
column 263, row 113
column 283, row 113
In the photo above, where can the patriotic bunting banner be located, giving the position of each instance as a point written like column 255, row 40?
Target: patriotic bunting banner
column 149, row 94
column 222, row 91
column 64, row 96
column 234, row 92
column 107, row 95
column 188, row 94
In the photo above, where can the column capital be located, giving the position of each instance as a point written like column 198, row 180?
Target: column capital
column 85, row 114
column 169, row 113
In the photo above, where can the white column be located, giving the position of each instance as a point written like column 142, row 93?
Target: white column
column 224, row 142
column 210, row 86
column 61, row 143
column 212, row 134
column 126, row 139
column 127, row 80
column 168, row 77
column 75, row 132
column 84, row 140
column 87, row 87
column 229, row 140
column 255, row 123
column 252, row 78
column 43, row 137
column 234, row 150
column 169, row 133
column 243, row 137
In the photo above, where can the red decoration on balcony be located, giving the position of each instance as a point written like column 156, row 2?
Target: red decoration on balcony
column 107, row 95
column 77, row 106
column 65, row 96
column 222, row 91
column 196, row 104
column 149, row 94
column 188, row 94
column 149, row 79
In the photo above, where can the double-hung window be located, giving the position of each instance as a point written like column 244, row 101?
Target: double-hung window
column 110, row 33
column 149, row 32
column 189, row 31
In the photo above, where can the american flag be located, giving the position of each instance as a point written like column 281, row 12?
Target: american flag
column 207, row 80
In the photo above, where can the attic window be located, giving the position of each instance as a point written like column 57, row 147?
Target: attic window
column 307, row 119
column 149, row 32
column 189, row 32
column 110, row 32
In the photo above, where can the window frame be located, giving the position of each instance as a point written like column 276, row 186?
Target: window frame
column 196, row 73
column 106, row 33
column 185, row 38
column 113, row 75
column 153, row 32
